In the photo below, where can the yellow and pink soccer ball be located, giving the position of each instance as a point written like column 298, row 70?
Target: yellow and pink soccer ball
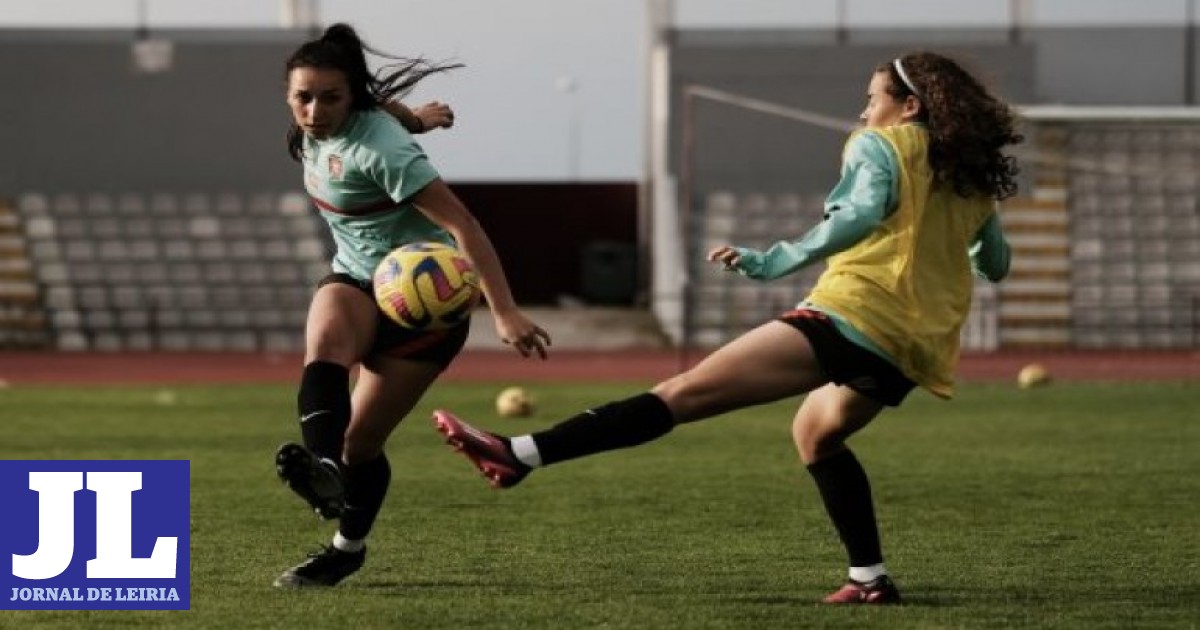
column 426, row 286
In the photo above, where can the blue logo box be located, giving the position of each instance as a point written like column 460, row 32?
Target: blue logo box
column 95, row 535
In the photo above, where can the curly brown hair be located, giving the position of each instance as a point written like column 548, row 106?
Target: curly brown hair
column 968, row 126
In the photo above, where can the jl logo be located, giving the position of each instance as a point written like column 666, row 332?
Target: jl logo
column 94, row 535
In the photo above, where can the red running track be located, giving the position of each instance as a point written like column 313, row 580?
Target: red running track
column 68, row 368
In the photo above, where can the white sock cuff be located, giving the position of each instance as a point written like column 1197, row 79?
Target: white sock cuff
column 525, row 449
column 867, row 574
column 341, row 543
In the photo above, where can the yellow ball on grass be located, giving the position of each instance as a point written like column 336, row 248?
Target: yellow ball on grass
column 1033, row 375
column 514, row 402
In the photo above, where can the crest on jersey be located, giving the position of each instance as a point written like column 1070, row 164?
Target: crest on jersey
column 335, row 167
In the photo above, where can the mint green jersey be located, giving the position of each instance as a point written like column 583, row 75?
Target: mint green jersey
column 362, row 181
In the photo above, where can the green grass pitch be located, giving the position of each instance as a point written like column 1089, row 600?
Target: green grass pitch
column 1071, row 506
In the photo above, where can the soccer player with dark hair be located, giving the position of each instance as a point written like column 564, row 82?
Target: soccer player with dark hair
column 911, row 218
column 376, row 190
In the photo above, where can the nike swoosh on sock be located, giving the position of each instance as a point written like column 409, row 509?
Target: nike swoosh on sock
column 309, row 416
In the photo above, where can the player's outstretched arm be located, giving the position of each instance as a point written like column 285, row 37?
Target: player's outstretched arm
column 425, row 118
column 437, row 202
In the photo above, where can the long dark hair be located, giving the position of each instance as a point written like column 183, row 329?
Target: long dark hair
column 968, row 126
column 340, row 48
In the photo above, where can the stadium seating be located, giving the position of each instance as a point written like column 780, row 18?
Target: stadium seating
column 22, row 320
column 172, row 272
column 724, row 304
column 1135, row 235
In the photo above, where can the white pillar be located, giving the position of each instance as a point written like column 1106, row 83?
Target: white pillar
column 297, row 14
column 667, row 272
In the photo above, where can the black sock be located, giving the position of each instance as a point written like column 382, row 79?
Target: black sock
column 324, row 406
column 366, row 486
column 616, row 425
column 846, row 492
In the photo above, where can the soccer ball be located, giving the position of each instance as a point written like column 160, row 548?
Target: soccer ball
column 1033, row 375
column 514, row 402
column 426, row 286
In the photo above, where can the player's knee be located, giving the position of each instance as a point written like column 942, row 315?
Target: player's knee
column 815, row 439
column 327, row 345
column 686, row 397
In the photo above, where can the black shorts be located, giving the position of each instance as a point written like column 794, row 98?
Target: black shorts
column 438, row 347
column 847, row 363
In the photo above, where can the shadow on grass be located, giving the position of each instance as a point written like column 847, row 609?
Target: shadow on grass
column 774, row 600
column 399, row 587
column 1182, row 596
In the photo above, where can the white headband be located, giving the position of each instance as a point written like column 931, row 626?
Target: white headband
column 904, row 77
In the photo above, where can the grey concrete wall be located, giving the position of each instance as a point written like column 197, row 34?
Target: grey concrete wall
column 76, row 117
column 826, row 72
column 1132, row 65
column 746, row 150
column 1112, row 66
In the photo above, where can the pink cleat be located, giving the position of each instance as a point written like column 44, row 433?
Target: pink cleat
column 489, row 453
column 878, row 591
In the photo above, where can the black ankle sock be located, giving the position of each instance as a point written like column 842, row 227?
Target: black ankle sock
column 366, row 486
column 846, row 492
column 616, row 425
column 324, row 406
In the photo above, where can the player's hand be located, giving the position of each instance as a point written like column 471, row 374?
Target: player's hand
column 519, row 332
column 726, row 256
column 433, row 115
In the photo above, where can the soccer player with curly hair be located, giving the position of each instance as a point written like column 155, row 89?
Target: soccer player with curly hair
column 912, row 217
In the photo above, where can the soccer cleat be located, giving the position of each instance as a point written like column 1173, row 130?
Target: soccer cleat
column 326, row 567
column 488, row 452
column 881, row 590
column 317, row 481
